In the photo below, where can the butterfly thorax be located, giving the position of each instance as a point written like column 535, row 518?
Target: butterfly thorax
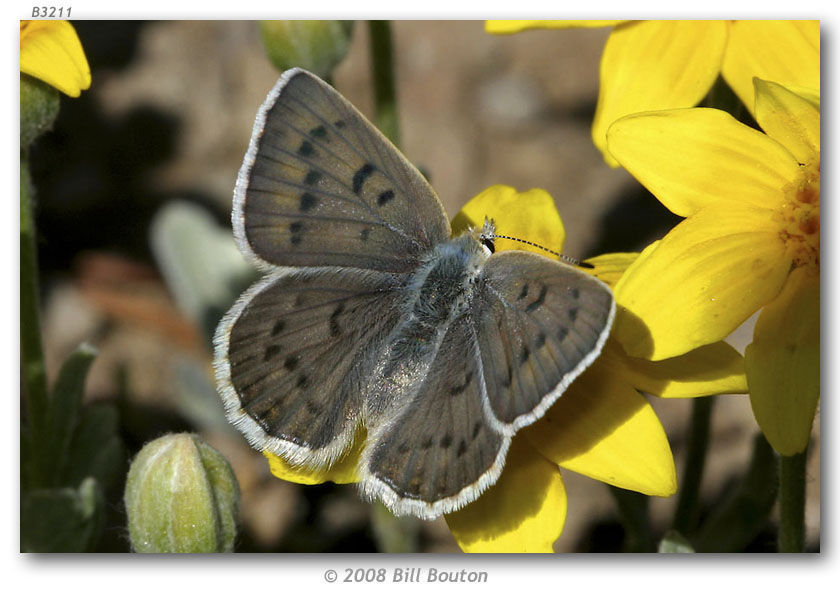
column 440, row 290
column 436, row 294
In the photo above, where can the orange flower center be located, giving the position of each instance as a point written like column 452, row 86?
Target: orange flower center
column 800, row 215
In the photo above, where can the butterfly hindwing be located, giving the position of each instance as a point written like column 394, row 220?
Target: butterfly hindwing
column 439, row 452
column 539, row 323
column 321, row 186
column 293, row 352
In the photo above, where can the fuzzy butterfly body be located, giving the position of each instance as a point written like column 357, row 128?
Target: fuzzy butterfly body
column 370, row 318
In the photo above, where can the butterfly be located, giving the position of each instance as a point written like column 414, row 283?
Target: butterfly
column 370, row 318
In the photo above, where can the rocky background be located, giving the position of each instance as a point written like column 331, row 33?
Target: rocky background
column 168, row 117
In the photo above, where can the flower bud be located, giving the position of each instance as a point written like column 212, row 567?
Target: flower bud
column 317, row 46
column 38, row 108
column 181, row 496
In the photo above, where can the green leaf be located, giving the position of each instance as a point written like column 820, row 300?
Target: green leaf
column 96, row 449
column 675, row 543
column 62, row 519
column 196, row 398
column 200, row 262
column 744, row 513
column 63, row 411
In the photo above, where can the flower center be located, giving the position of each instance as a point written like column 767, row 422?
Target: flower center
column 800, row 216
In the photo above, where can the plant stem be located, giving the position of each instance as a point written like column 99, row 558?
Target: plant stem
column 385, row 94
column 32, row 352
column 685, row 516
column 792, row 502
column 393, row 535
column 633, row 508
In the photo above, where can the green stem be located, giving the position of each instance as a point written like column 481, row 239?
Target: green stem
column 792, row 502
column 393, row 535
column 633, row 508
column 32, row 353
column 385, row 93
column 685, row 516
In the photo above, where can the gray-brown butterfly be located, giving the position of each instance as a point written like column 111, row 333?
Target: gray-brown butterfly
column 370, row 318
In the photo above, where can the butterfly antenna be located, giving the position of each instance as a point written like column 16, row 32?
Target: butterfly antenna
column 563, row 257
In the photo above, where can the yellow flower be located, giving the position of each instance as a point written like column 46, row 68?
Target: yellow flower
column 751, row 240
column 51, row 51
column 601, row 427
column 655, row 65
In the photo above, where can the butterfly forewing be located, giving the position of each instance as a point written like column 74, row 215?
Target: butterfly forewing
column 298, row 351
column 321, row 186
column 539, row 323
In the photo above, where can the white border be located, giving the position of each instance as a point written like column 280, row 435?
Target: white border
column 243, row 177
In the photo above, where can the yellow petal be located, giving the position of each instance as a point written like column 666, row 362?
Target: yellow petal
column 695, row 157
column 503, row 27
column 789, row 119
column 705, row 277
column 602, row 428
column 345, row 470
column 713, row 369
column 52, row 52
column 530, row 216
column 783, row 364
column 524, row 512
column 653, row 65
column 610, row 267
column 809, row 94
column 787, row 52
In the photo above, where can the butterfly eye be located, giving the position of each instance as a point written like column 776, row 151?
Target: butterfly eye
column 487, row 242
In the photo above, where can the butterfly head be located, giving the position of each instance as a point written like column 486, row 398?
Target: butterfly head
column 486, row 235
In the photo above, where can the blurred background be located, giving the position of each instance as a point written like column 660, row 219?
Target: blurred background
column 134, row 188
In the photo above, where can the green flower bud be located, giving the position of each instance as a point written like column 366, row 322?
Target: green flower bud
column 181, row 496
column 317, row 46
column 38, row 108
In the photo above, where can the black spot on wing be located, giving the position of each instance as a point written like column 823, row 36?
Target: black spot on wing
column 458, row 389
column 508, row 380
column 279, row 325
column 524, row 292
column 538, row 302
column 312, row 177
column 385, row 197
column 306, row 148
column 361, row 175
column 291, row 362
column 296, row 228
column 319, row 132
column 335, row 329
column 270, row 352
column 307, row 201
column 462, row 448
